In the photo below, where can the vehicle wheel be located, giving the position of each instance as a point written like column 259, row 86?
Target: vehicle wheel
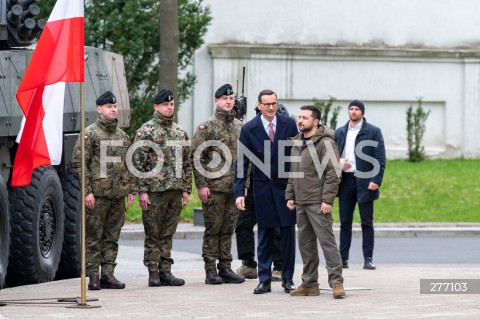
column 4, row 232
column 70, row 262
column 37, row 220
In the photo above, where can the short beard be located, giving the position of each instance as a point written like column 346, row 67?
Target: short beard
column 357, row 120
column 306, row 129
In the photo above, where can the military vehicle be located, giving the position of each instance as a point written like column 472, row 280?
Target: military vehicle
column 40, row 224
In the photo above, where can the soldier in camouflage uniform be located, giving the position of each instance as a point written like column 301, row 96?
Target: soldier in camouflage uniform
column 161, row 194
column 106, row 191
column 216, row 189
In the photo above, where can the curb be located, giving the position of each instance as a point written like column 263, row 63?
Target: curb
column 189, row 231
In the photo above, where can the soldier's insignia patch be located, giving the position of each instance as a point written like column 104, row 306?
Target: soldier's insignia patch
column 201, row 127
column 139, row 134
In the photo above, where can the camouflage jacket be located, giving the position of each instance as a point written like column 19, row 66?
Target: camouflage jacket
column 161, row 131
column 220, row 127
column 117, row 180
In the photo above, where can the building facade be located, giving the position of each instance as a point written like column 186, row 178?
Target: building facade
column 387, row 53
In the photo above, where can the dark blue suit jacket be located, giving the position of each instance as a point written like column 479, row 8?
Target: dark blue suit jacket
column 368, row 132
column 269, row 192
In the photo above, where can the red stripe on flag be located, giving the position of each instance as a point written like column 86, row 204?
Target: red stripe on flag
column 32, row 151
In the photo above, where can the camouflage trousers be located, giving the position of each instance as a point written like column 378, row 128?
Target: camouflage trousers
column 103, row 226
column 160, row 222
column 220, row 215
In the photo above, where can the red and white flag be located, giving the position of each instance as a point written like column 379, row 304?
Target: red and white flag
column 58, row 58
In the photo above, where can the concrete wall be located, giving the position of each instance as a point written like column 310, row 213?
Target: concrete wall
column 387, row 53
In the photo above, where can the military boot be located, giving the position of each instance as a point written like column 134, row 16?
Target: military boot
column 110, row 282
column 153, row 279
column 247, row 271
column 276, row 275
column 94, row 283
column 338, row 291
column 229, row 277
column 212, row 277
column 306, row 291
column 168, row 279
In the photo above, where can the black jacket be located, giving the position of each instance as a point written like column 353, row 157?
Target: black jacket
column 368, row 161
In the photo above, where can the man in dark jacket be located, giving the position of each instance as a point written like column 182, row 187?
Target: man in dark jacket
column 312, row 187
column 269, row 186
column 363, row 162
column 245, row 235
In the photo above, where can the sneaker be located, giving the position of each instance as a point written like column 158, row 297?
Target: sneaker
column 306, row 291
column 276, row 275
column 229, row 277
column 167, row 279
column 247, row 272
column 338, row 291
column 345, row 263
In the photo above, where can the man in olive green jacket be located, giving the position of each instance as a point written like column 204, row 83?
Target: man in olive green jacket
column 312, row 187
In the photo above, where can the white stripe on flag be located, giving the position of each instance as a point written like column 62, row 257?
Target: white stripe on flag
column 65, row 9
column 53, row 100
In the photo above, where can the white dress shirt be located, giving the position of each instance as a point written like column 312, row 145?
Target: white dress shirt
column 349, row 149
column 266, row 123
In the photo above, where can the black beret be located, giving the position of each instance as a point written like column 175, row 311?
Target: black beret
column 225, row 89
column 358, row 104
column 164, row 95
column 106, row 98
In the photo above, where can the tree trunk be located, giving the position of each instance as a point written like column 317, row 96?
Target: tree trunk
column 169, row 43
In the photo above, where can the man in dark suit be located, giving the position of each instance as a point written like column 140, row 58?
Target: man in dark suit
column 363, row 162
column 263, row 140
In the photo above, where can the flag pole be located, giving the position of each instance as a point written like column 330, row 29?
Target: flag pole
column 82, row 136
column 82, row 301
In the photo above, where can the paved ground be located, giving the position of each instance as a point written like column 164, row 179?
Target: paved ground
column 391, row 291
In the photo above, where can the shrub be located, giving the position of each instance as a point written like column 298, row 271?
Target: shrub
column 325, row 108
column 415, row 130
